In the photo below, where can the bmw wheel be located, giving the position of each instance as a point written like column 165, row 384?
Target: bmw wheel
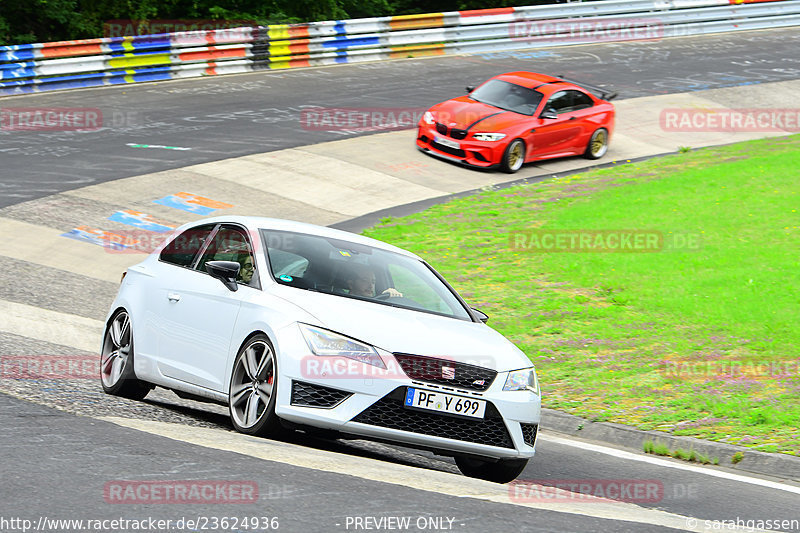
column 598, row 144
column 513, row 157
column 501, row 471
column 253, row 390
column 116, row 360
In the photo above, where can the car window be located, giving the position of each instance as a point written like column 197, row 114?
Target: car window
column 414, row 287
column 581, row 101
column 568, row 101
column 560, row 102
column 508, row 96
column 354, row 270
column 288, row 264
column 182, row 249
column 231, row 243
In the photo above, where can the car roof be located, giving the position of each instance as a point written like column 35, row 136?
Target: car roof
column 541, row 82
column 527, row 79
column 254, row 223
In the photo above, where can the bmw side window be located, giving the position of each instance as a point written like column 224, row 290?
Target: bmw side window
column 560, row 102
column 182, row 250
column 232, row 244
column 581, row 101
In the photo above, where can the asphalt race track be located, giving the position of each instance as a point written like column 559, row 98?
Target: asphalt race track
column 230, row 116
column 64, row 441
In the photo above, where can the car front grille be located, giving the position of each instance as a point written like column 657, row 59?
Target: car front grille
column 446, row 149
column 455, row 133
column 529, row 433
column 435, row 370
column 310, row 395
column 390, row 412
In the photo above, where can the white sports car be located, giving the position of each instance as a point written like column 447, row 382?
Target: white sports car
column 293, row 325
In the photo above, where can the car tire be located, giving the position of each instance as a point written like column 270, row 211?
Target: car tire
column 513, row 157
column 501, row 471
column 598, row 144
column 116, row 360
column 253, row 389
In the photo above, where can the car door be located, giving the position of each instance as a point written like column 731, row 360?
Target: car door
column 175, row 261
column 581, row 113
column 199, row 312
column 556, row 136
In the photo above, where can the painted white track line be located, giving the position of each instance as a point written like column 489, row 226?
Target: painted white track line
column 407, row 476
column 51, row 326
column 629, row 456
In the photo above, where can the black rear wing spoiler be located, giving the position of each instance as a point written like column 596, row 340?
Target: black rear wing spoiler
column 605, row 94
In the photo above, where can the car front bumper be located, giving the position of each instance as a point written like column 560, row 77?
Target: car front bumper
column 482, row 154
column 354, row 398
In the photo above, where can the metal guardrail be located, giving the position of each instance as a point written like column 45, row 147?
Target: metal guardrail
column 119, row 60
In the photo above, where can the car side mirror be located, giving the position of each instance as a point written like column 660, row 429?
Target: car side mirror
column 483, row 317
column 470, row 88
column 226, row 272
column 549, row 113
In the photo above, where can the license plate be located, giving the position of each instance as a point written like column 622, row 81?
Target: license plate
column 445, row 403
column 446, row 142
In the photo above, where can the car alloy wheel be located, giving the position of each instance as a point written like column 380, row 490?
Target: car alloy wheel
column 598, row 144
column 116, row 360
column 253, row 389
column 513, row 157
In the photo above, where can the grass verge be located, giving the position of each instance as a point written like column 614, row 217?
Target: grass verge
column 657, row 448
column 697, row 338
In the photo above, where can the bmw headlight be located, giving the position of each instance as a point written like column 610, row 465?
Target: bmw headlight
column 323, row 342
column 428, row 118
column 488, row 136
column 524, row 379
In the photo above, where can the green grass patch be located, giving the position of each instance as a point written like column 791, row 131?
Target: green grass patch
column 698, row 338
column 657, row 448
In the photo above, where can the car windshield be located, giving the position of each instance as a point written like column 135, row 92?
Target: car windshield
column 508, row 96
column 358, row 271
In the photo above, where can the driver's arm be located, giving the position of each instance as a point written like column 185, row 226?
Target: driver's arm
column 393, row 293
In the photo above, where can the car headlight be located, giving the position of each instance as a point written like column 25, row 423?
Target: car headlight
column 488, row 136
column 323, row 342
column 428, row 118
column 524, row 379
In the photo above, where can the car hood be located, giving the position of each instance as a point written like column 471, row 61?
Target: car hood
column 412, row 332
column 465, row 113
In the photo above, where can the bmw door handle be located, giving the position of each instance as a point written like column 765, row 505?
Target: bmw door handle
column 174, row 297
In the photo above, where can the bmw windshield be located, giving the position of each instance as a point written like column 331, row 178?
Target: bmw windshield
column 358, row 271
column 508, row 96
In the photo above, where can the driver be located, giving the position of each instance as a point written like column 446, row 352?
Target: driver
column 361, row 282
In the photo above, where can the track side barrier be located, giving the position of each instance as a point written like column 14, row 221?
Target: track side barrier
column 117, row 60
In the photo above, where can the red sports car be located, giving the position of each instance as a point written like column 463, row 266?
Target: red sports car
column 519, row 117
